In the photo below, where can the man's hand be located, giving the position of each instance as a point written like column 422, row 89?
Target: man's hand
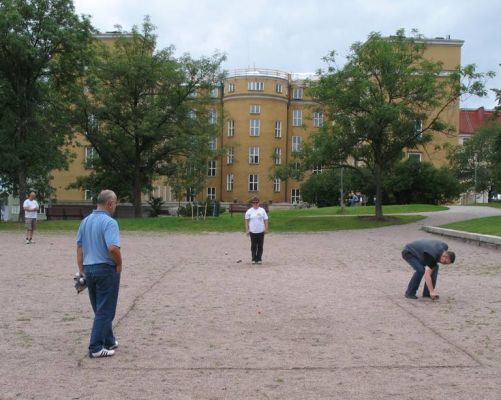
column 119, row 268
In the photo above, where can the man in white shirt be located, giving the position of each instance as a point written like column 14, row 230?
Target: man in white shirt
column 256, row 225
column 31, row 208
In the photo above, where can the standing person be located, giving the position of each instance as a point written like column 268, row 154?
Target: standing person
column 99, row 259
column 423, row 256
column 30, row 207
column 256, row 225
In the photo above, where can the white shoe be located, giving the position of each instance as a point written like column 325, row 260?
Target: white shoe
column 102, row 353
column 27, row 241
column 114, row 346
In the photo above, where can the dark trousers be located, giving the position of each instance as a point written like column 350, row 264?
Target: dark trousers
column 103, row 283
column 257, row 241
column 419, row 268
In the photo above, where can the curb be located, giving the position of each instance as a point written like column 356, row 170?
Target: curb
column 477, row 238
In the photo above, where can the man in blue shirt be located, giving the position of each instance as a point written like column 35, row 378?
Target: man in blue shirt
column 100, row 260
column 423, row 256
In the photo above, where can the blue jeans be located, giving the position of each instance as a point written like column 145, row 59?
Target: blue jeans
column 419, row 268
column 102, row 282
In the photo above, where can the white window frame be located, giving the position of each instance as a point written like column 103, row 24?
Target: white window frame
column 279, row 88
column 254, row 155
column 277, row 156
column 295, row 196
column 255, row 86
column 296, row 144
column 297, row 117
column 297, row 93
column 230, row 179
column 88, row 195
column 255, row 109
column 278, row 129
column 230, row 155
column 317, row 169
column 231, row 128
column 211, row 193
column 214, row 93
column 413, row 154
column 276, row 185
column 211, row 168
column 212, row 116
column 253, row 182
column 231, row 87
column 213, row 144
column 254, row 127
column 318, row 119
column 89, row 154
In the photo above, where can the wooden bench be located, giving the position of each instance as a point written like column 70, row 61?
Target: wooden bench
column 58, row 212
column 242, row 208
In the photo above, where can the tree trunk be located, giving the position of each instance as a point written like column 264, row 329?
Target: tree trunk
column 379, row 192
column 137, row 197
column 22, row 189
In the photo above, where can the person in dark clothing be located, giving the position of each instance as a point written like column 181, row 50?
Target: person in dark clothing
column 423, row 256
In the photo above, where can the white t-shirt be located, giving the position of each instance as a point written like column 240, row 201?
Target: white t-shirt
column 256, row 217
column 30, row 204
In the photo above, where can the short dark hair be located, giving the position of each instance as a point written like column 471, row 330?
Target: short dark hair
column 452, row 256
column 255, row 199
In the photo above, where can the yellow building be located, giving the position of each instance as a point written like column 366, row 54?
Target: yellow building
column 266, row 117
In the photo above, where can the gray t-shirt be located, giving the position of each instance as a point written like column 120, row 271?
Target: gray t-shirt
column 428, row 251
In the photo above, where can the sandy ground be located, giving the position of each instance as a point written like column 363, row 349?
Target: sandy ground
column 323, row 318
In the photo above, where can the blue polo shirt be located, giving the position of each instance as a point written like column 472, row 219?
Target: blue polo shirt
column 96, row 232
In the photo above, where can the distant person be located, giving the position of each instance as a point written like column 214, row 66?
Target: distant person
column 423, row 256
column 256, row 225
column 30, row 207
column 353, row 199
column 99, row 259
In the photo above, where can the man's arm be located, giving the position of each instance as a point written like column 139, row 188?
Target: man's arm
column 80, row 259
column 116, row 255
column 429, row 281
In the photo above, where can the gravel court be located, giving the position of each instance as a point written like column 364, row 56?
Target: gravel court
column 324, row 317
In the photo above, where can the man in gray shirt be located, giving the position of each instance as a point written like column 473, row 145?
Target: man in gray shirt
column 423, row 256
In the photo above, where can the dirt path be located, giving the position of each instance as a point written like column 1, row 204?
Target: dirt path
column 323, row 318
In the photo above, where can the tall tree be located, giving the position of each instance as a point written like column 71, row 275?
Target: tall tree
column 387, row 97
column 44, row 47
column 143, row 111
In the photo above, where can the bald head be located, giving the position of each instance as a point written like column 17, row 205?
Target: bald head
column 106, row 197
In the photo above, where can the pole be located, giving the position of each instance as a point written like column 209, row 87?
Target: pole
column 341, row 199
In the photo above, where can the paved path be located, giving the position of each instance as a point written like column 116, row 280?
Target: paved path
column 323, row 318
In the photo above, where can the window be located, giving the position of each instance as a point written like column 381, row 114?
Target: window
column 276, row 185
column 212, row 116
column 90, row 153
column 465, row 140
column 279, row 88
column 92, row 125
column 229, row 183
column 297, row 93
column 88, row 195
column 231, row 87
column 416, row 156
column 278, row 129
column 295, row 196
column 317, row 169
column 231, row 128
column 296, row 144
column 254, row 155
column 190, row 195
column 255, row 125
column 255, row 109
column 418, row 127
column 230, row 155
column 255, row 86
column 211, row 168
column 277, row 156
column 214, row 92
column 297, row 117
column 213, row 144
column 253, row 183
column 211, row 193
column 318, row 119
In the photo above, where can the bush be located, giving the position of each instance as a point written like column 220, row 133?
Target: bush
column 156, row 206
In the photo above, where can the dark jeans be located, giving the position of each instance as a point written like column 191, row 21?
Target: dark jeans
column 103, row 283
column 419, row 268
column 257, row 241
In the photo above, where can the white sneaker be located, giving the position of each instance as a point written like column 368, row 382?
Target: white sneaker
column 102, row 353
column 114, row 346
column 32, row 241
column 27, row 241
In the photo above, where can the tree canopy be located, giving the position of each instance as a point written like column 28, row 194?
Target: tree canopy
column 44, row 47
column 145, row 112
column 386, row 98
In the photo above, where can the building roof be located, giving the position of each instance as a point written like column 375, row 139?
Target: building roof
column 470, row 120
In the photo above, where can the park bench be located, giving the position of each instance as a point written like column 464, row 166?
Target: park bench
column 242, row 208
column 58, row 212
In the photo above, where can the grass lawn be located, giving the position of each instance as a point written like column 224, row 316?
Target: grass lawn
column 486, row 225
column 295, row 220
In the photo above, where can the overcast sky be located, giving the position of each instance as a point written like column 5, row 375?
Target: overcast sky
column 294, row 35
